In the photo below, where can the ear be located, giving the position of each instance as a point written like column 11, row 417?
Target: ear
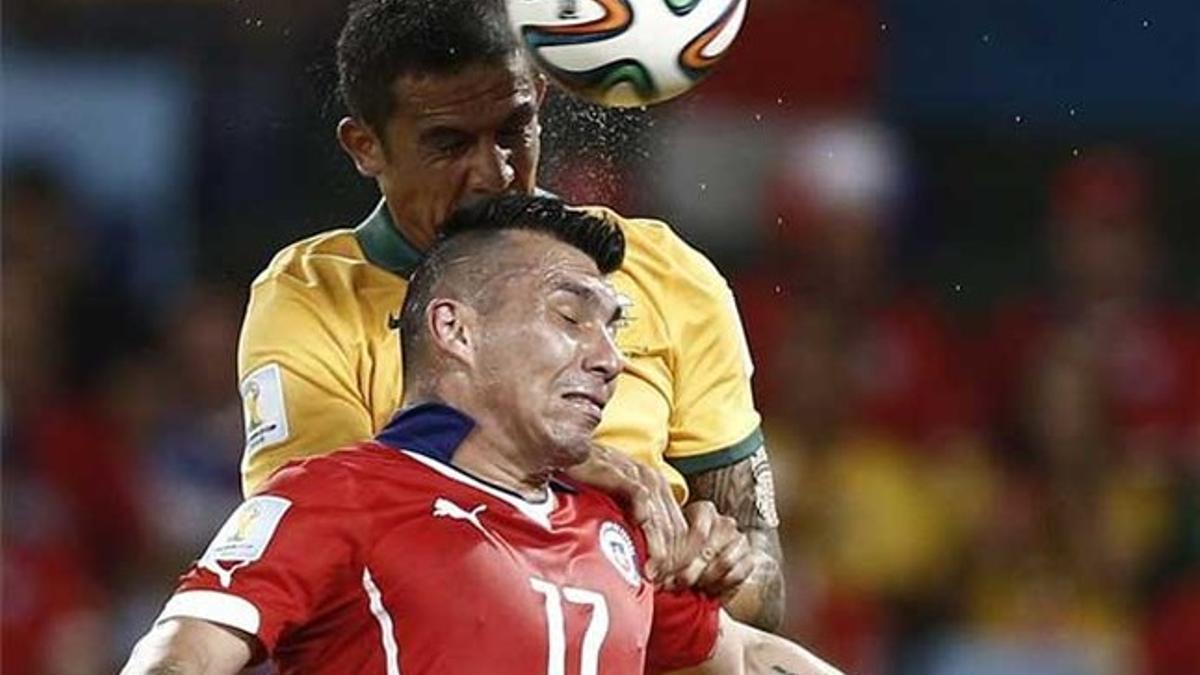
column 452, row 327
column 363, row 146
column 542, row 86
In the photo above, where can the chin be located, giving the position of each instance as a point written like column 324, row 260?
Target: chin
column 572, row 452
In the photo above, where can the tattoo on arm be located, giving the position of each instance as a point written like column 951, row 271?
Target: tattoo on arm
column 745, row 492
column 781, row 670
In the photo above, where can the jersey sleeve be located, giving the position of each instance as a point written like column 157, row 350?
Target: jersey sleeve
column 297, row 380
column 262, row 573
column 713, row 420
column 684, row 630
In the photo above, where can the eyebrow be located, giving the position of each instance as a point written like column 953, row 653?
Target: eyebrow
column 588, row 293
column 520, row 116
column 441, row 134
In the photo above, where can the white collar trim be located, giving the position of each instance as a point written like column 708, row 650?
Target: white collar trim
column 538, row 512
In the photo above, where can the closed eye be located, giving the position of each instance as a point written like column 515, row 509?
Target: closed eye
column 446, row 141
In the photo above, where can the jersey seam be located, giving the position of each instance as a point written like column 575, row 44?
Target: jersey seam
column 721, row 457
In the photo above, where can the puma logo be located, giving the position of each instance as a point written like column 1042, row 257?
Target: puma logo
column 444, row 508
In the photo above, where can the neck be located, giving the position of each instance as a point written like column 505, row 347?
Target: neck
column 487, row 452
column 482, row 456
column 421, row 240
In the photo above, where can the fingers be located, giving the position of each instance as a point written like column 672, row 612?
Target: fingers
column 718, row 556
column 646, row 514
column 728, row 568
column 670, row 536
column 697, row 547
column 667, row 522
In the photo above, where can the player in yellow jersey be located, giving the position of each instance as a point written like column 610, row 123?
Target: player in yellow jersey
column 443, row 110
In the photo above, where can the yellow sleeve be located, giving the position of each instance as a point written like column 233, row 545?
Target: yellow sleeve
column 713, row 420
column 297, row 379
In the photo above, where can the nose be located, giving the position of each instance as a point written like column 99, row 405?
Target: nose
column 491, row 170
column 603, row 357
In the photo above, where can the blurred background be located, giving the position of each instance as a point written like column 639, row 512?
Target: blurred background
column 963, row 236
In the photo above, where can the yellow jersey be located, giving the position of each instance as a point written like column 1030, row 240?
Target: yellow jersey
column 319, row 357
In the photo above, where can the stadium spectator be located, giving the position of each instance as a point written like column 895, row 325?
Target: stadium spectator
column 1103, row 241
column 892, row 363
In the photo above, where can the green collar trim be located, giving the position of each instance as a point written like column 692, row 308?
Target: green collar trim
column 383, row 244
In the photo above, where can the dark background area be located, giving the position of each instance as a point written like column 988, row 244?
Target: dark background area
column 986, row 462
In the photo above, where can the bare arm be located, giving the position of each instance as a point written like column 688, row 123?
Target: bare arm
column 745, row 650
column 190, row 647
column 745, row 492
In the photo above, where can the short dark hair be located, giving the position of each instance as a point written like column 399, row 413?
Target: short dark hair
column 475, row 229
column 384, row 39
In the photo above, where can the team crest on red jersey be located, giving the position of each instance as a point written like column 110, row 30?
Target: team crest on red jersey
column 617, row 546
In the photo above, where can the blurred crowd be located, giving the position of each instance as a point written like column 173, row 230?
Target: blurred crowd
column 122, row 435
column 1013, row 487
column 1015, row 492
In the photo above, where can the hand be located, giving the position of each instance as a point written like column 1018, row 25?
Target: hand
column 717, row 557
column 647, row 495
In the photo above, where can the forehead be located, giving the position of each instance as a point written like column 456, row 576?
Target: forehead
column 540, row 262
column 475, row 96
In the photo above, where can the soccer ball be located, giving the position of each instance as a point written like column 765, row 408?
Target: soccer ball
column 626, row 53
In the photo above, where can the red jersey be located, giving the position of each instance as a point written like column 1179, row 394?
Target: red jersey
column 385, row 558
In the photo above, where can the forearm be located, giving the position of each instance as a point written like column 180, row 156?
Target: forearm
column 772, row 655
column 745, row 650
column 745, row 492
column 188, row 647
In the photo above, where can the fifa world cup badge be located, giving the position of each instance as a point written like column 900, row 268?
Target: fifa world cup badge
column 263, row 409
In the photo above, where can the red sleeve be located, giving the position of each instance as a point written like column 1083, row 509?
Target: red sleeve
column 279, row 556
column 684, row 631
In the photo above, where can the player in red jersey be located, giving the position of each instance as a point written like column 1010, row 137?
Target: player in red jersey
column 447, row 545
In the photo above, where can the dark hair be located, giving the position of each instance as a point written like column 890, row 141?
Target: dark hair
column 384, row 39
column 474, row 230
column 600, row 239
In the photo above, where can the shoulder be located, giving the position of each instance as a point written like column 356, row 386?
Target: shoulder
column 316, row 284
column 345, row 477
column 673, row 280
column 653, row 245
column 311, row 258
column 592, row 502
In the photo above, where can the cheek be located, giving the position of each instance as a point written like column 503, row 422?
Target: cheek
column 537, row 358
